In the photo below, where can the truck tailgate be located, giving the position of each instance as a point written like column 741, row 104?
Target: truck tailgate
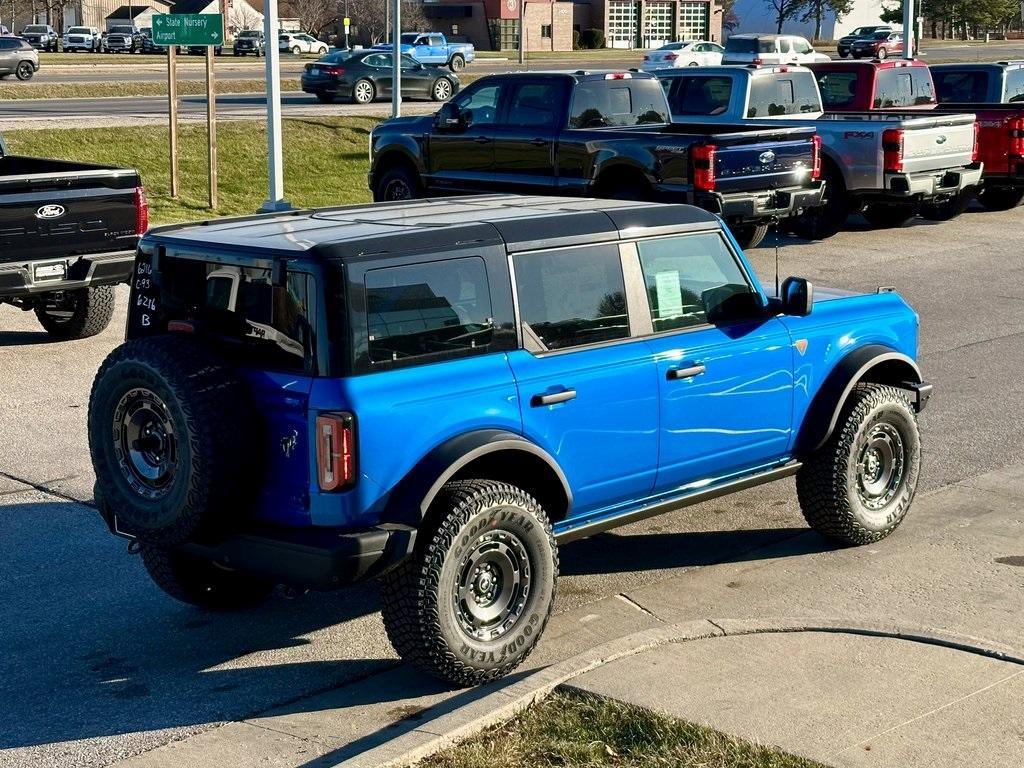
column 937, row 142
column 751, row 157
column 1000, row 136
column 55, row 209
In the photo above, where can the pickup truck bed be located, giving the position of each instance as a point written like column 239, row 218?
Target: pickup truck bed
column 68, row 231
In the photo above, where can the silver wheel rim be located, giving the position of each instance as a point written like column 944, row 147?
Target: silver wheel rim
column 24, row 71
column 364, row 92
column 442, row 90
column 881, row 467
column 492, row 586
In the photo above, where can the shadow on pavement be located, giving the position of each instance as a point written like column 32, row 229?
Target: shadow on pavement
column 24, row 338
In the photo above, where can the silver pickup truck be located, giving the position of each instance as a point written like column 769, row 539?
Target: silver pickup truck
column 890, row 166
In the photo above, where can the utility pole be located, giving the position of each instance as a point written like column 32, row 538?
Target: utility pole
column 522, row 31
column 275, row 160
column 396, row 61
column 909, row 29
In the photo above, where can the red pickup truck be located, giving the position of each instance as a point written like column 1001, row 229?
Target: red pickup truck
column 848, row 86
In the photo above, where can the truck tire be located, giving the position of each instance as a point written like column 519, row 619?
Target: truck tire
column 949, row 209
column 201, row 583
column 996, row 199
column 76, row 314
column 457, row 63
column 826, row 220
column 397, row 183
column 888, row 215
column 857, row 488
column 167, row 436
column 470, row 603
column 749, row 235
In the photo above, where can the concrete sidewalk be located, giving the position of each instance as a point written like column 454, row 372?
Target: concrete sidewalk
column 839, row 698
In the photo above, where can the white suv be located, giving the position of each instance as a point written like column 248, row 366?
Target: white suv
column 770, row 49
column 300, row 42
column 83, row 39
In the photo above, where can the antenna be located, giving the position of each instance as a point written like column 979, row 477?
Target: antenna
column 776, row 228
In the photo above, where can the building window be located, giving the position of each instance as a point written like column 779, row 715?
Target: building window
column 693, row 21
column 621, row 29
column 505, row 34
column 658, row 18
column 545, row 31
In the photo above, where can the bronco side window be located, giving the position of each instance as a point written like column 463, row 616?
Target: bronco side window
column 570, row 298
column 419, row 313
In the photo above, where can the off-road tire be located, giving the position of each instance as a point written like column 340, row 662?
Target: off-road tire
column 192, row 396
column 457, row 63
column 91, row 310
column 749, row 235
column 996, row 199
column 419, row 597
column 888, row 216
column 201, row 583
column 397, row 183
column 828, row 485
column 950, row 208
column 826, row 220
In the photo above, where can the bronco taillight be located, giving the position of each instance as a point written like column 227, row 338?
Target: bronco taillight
column 892, row 150
column 141, row 211
column 335, row 450
column 1016, row 130
column 816, row 157
column 702, row 157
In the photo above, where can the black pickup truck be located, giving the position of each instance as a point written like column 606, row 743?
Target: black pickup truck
column 597, row 134
column 68, row 233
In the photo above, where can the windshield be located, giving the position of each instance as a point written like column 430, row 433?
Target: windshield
column 35, row 28
column 122, row 30
column 336, row 57
column 409, row 39
column 881, row 35
column 749, row 45
column 79, row 31
column 250, row 33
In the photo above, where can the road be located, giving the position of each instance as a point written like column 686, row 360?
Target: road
column 98, row 665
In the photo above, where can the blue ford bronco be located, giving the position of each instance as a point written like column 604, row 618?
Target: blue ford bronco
column 439, row 392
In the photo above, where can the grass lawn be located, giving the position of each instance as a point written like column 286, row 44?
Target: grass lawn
column 325, row 162
column 103, row 90
column 570, row 731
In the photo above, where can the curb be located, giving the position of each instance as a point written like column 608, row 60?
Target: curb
column 505, row 703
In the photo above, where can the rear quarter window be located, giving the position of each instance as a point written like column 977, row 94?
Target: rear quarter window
column 953, row 86
column 787, row 95
column 618, row 104
column 838, row 89
column 902, row 87
column 1014, row 89
column 698, row 95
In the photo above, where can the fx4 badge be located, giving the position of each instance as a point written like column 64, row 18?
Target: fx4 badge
column 52, row 211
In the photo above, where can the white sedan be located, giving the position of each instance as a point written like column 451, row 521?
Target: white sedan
column 300, row 42
column 687, row 53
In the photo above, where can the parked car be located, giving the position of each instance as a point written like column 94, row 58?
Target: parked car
column 994, row 93
column 888, row 165
column 301, row 42
column 18, row 58
column 83, row 39
column 68, row 233
column 434, row 48
column 42, row 37
column 596, row 134
column 845, row 43
column 688, row 53
column 556, row 368
column 123, row 38
column 4, row 30
column 363, row 76
column 769, row 49
column 881, row 45
column 202, row 50
column 249, row 41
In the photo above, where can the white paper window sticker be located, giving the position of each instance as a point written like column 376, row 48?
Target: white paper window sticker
column 670, row 296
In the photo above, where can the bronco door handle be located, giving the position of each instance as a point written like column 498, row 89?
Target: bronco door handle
column 553, row 398
column 685, row 373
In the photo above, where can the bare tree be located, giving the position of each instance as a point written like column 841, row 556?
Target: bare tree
column 369, row 18
column 243, row 17
column 315, row 15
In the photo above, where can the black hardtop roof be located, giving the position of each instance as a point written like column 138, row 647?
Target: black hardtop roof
column 351, row 232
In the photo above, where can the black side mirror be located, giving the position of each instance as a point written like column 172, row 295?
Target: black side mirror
column 449, row 118
column 797, row 296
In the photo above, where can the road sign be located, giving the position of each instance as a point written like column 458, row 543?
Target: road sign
column 188, row 29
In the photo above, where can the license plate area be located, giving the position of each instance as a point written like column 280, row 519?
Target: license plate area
column 54, row 270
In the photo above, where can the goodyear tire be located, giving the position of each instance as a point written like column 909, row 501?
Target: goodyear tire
column 471, row 602
column 166, row 427
column 202, row 583
column 858, row 487
column 749, row 235
column 76, row 314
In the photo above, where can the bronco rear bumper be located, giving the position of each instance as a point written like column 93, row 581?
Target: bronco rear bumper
column 762, row 206
column 65, row 274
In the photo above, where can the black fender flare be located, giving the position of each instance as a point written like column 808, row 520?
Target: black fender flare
column 410, row 502
column 399, row 151
column 871, row 362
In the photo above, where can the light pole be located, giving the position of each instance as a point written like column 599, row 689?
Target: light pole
column 396, row 60
column 909, row 29
column 275, row 161
column 522, row 31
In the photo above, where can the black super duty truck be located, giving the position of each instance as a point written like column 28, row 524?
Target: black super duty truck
column 68, row 233
column 597, row 134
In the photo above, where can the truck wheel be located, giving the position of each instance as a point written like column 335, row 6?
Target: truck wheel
column 824, row 221
column 857, row 488
column 888, row 216
column 168, row 438
column 949, row 209
column 749, row 235
column 76, row 314
column 471, row 602
column 996, row 199
column 457, row 63
column 201, row 583
column 397, row 183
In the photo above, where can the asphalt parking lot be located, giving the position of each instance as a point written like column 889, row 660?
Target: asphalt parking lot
column 97, row 665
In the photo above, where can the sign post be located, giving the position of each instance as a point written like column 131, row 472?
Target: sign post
column 396, row 60
column 348, row 22
column 275, row 160
column 172, row 30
